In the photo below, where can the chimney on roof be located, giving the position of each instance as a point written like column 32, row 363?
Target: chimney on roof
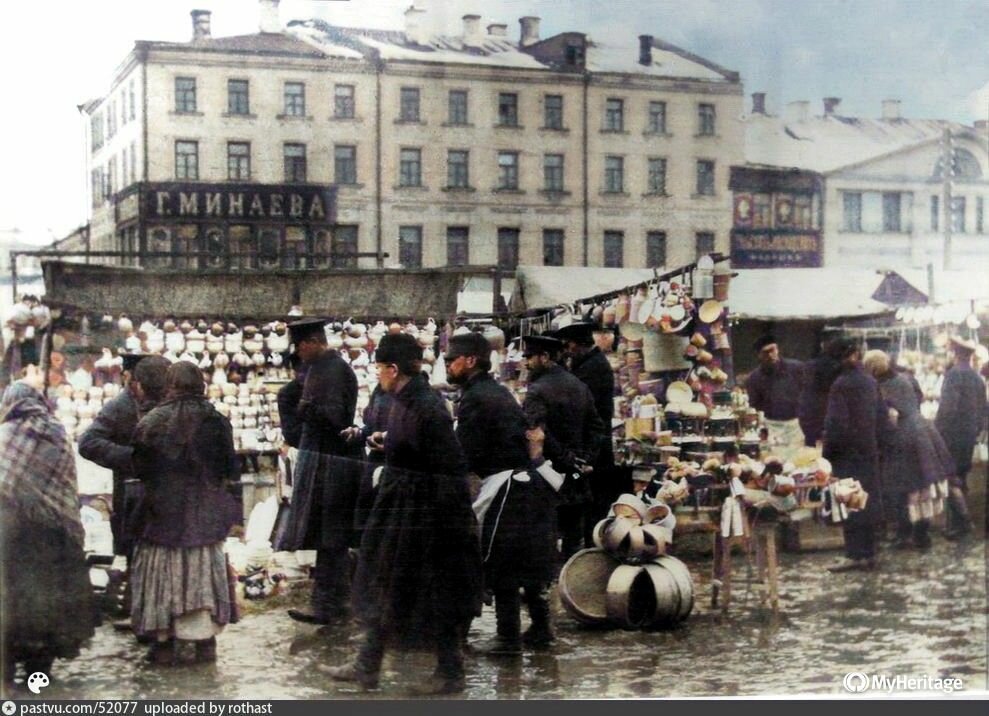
column 472, row 29
column 797, row 111
column 200, row 24
column 415, row 25
column 269, row 21
column 758, row 103
column 830, row 105
column 530, row 30
column 891, row 109
column 645, row 50
column 498, row 29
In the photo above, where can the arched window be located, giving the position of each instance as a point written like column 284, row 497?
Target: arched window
column 964, row 166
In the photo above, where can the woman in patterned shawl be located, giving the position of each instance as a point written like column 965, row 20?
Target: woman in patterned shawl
column 46, row 607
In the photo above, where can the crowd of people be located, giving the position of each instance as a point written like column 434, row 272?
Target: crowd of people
column 444, row 512
column 863, row 410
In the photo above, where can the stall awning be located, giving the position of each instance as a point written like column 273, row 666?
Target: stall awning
column 808, row 294
column 538, row 287
column 950, row 286
column 364, row 294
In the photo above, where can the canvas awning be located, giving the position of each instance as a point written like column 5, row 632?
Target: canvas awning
column 805, row 294
column 361, row 294
column 539, row 287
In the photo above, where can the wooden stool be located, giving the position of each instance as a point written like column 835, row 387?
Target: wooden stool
column 767, row 565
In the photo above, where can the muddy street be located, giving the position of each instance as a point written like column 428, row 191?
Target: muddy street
column 921, row 614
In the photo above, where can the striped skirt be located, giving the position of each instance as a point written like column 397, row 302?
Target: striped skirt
column 182, row 591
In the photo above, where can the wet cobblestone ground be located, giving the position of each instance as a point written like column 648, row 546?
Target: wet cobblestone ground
column 921, row 614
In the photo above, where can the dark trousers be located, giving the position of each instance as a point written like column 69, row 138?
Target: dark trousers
column 860, row 537
column 331, row 582
column 570, row 521
column 508, row 605
column 917, row 531
column 449, row 658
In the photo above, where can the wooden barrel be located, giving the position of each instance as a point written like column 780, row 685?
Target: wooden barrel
column 666, row 592
column 630, row 598
column 584, row 585
column 684, row 582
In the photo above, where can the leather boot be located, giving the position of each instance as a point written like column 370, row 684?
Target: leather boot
column 540, row 632
column 206, row 650
column 350, row 672
column 959, row 521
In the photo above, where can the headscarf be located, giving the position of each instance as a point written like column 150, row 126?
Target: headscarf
column 37, row 465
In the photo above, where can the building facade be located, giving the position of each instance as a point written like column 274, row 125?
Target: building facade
column 885, row 199
column 416, row 150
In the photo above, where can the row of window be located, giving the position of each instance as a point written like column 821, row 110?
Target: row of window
column 892, row 212
column 458, row 168
column 293, row 247
column 101, row 132
column 104, row 178
column 410, row 106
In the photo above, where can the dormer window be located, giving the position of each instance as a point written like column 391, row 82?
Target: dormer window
column 575, row 55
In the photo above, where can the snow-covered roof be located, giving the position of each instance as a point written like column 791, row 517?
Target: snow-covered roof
column 496, row 50
column 812, row 293
column 825, row 144
column 607, row 57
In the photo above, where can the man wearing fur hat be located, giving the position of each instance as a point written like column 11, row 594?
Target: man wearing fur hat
column 961, row 416
column 517, row 502
column 418, row 578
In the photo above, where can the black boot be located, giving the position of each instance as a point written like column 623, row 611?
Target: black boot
column 959, row 521
column 508, row 642
column 540, row 632
column 206, row 650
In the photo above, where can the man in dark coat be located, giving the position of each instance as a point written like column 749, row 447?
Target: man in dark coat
column 564, row 408
column 960, row 418
column 774, row 388
column 327, row 473
column 855, row 427
column 517, row 503
column 418, row 578
column 820, row 374
column 288, row 398
column 108, row 442
column 591, row 366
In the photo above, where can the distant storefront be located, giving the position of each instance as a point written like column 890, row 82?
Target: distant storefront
column 777, row 218
column 233, row 226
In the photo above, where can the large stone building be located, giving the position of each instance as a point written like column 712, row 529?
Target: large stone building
column 318, row 145
column 873, row 190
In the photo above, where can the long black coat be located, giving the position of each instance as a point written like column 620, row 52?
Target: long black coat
column 375, row 420
column 184, row 454
column 855, row 427
column 518, row 537
column 961, row 414
column 328, row 470
column 594, row 371
column 819, row 376
column 914, row 455
column 419, row 564
column 564, row 407
column 107, row 442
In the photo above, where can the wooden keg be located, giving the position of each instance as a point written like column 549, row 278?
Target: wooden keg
column 584, row 585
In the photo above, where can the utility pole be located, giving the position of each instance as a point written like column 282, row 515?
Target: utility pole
column 947, row 172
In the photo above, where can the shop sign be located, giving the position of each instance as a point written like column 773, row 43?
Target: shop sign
column 239, row 203
column 775, row 249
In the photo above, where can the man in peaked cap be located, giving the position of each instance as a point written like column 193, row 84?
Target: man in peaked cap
column 961, row 416
column 564, row 408
column 590, row 365
column 327, row 472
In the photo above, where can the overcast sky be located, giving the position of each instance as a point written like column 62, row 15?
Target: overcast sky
column 931, row 54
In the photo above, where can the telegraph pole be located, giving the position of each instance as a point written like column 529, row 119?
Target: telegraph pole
column 947, row 172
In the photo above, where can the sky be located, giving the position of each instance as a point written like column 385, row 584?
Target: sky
column 933, row 55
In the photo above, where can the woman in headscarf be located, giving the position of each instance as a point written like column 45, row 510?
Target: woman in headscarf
column 916, row 465
column 184, row 454
column 45, row 597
